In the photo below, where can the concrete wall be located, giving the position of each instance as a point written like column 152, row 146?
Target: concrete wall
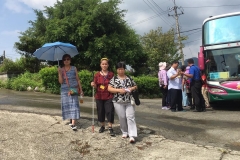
column 5, row 76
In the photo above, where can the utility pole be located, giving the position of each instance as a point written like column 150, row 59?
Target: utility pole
column 3, row 54
column 175, row 8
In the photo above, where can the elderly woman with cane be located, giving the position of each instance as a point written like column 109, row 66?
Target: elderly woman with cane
column 103, row 96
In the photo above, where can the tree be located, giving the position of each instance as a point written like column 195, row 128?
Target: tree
column 96, row 28
column 160, row 47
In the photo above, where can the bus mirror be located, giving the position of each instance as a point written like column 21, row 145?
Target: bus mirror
column 201, row 63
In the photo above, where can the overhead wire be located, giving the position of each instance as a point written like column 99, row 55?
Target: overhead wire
column 193, row 33
column 129, row 15
column 156, row 12
column 147, row 19
column 190, row 30
column 213, row 6
column 161, row 10
column 192, row 41
column 154, row 6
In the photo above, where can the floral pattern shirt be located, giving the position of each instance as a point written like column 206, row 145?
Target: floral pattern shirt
column 115, row 82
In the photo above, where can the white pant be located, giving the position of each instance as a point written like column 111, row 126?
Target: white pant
column 126, row 115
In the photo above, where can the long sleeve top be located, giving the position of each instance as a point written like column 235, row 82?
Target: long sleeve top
column 162, row 77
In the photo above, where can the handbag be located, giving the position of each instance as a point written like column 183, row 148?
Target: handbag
column 72, row 91
column 135, row 94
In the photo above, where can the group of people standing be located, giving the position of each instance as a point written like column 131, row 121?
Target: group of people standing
column 185, row 86
column 113, row 94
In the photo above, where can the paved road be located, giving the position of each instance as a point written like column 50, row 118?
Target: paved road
column 219, row 127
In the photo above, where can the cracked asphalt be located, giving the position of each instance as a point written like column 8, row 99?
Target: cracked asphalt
column 218, row 127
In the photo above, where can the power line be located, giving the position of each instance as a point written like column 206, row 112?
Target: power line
column 193, row 41
column 156, row 12
column 145, row 20
column 129, row 15
column 161, row 10
column 213, row 6
column 191, row 30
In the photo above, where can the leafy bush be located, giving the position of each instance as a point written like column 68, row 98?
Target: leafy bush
column 148, row 86
column 49, row 76
column 22, row 82
column 10, row 66
column 86, row 78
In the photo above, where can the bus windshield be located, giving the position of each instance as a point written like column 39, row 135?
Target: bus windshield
column 222, row 30
column 223, row 64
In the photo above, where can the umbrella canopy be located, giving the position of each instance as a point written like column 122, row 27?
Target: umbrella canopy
column 55, row 51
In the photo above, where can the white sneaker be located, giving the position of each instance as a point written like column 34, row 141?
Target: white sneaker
column 124, row 136
column 74, row 127
column 131, row 140
column 164, row 107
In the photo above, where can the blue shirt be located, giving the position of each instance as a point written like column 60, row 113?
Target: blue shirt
column 195, row 71
column 175, row 83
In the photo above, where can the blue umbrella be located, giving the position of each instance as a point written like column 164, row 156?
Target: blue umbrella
column 55, row 51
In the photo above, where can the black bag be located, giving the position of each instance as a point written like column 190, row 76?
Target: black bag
column 135, row 94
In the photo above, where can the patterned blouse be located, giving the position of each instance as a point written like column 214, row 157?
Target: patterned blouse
column 115, row 82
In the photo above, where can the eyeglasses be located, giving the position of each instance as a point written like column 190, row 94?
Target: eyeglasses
column 66, row 59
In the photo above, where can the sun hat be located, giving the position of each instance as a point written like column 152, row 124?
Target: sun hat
column 162, row 65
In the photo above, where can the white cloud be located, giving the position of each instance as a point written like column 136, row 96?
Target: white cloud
column 38, row 4
column 10, row 33
column 15, row 6
column 19, row 6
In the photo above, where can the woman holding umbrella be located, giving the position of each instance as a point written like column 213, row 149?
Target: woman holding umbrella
column 103, row 96
column 68, row 78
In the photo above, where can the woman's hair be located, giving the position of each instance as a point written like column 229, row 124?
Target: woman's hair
column 66, row 56
column 183, row 68
column 104, row 59
column 121, row 65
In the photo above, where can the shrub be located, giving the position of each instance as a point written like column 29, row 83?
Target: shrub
column 10, row 66
column 49, row 76
column 86, row 78
column 21, row 82
column 148, row 86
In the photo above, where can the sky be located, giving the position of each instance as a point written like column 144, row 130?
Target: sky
column 141, row 15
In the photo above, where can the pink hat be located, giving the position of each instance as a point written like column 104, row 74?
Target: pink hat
column 162, row 65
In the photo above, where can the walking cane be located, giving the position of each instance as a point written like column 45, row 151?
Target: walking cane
column 93, row 105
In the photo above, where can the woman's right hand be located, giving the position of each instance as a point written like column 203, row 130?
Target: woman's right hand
column 121, row 91
column 59, row 70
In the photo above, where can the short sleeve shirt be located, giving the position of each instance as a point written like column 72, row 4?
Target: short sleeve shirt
column 102, row 93
column 195, row 71
column 115, row 82
column 175, row 83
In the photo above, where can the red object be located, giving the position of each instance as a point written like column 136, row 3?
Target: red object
column 204, row 79
column 201, row 59
column 99, row 80
column 93, row 128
